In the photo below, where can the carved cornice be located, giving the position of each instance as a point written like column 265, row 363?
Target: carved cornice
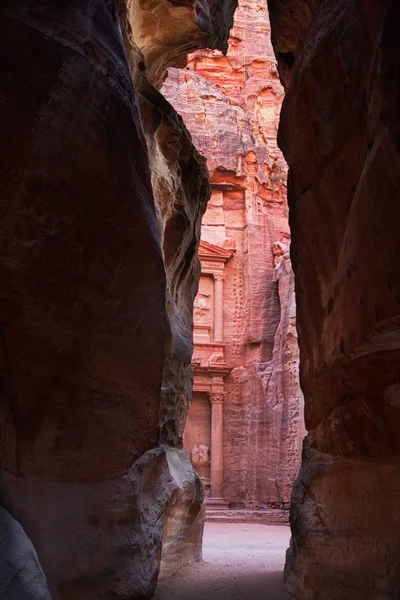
column 210, row 345
column 223, row 370
column 211, row 252
column 211, row 266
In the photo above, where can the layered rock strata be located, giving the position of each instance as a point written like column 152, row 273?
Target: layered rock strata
column 340, row 135
column 231, row 106
column 99, row 269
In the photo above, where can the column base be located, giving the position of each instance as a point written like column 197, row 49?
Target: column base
column 216, row 504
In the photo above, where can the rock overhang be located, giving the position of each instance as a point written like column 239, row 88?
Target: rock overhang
column 166, row 31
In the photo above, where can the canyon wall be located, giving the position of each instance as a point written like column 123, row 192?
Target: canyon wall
column 99, row 270
column 231, row 106
column 339, row 131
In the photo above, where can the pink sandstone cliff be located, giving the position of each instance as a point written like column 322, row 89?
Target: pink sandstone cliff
column 231, row 107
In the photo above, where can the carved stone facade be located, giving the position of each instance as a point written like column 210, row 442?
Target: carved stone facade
column 203, row 437
column 245, row 340
column 224, row 368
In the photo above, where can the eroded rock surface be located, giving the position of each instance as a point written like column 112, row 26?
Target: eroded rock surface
column 168, row 30
column 340, row 135
column 231, row 106
column 99, row 270
column 103, row 539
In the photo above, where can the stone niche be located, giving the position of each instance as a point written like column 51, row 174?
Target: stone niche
column 197, row 436
column 204, row 311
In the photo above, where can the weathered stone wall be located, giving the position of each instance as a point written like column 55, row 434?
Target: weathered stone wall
column 340, row 135
column 99, row 270
column 231, row 106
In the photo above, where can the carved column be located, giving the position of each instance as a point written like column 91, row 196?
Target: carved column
column 217, row 472
column 218, row 307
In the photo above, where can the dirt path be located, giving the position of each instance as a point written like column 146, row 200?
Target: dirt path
column 240, row 562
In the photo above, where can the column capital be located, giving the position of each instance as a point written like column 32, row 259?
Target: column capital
column 219, row 276
column 217, row 397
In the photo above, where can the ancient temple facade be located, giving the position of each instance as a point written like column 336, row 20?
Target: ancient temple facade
column 245, row 425
column 204, row 431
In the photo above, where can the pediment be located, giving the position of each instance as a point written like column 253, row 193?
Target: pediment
column 211, row 251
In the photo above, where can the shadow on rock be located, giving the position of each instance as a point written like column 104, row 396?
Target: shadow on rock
column 254, row 586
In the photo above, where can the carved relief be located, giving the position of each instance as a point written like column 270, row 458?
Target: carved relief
column 202, row 305
column 200, row 459
column 208, row 266
column 216, row 358
column 217, row 397
column 219, row 276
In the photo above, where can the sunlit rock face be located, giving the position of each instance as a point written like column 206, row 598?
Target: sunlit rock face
column 340, row 135
column 101, row 198
column 166, row 31
column 231, row 107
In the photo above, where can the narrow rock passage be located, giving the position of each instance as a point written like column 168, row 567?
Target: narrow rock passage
column 240, row 562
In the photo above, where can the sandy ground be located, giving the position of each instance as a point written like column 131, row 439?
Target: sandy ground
column 240, row 562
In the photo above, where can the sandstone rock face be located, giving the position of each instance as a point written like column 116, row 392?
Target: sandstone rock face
column 166, row 31
column 99, row 270
column 340, row 135
column 103, row 540
column 71, row 397
column 231, row 107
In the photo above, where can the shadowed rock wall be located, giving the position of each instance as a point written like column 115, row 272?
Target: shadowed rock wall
column 21, row 575
column 99, row 270
column 339, row 132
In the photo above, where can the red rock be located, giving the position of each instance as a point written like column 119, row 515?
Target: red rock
column 91, row 329
column 99, row 271
column 231, row 107
column 339, row 132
